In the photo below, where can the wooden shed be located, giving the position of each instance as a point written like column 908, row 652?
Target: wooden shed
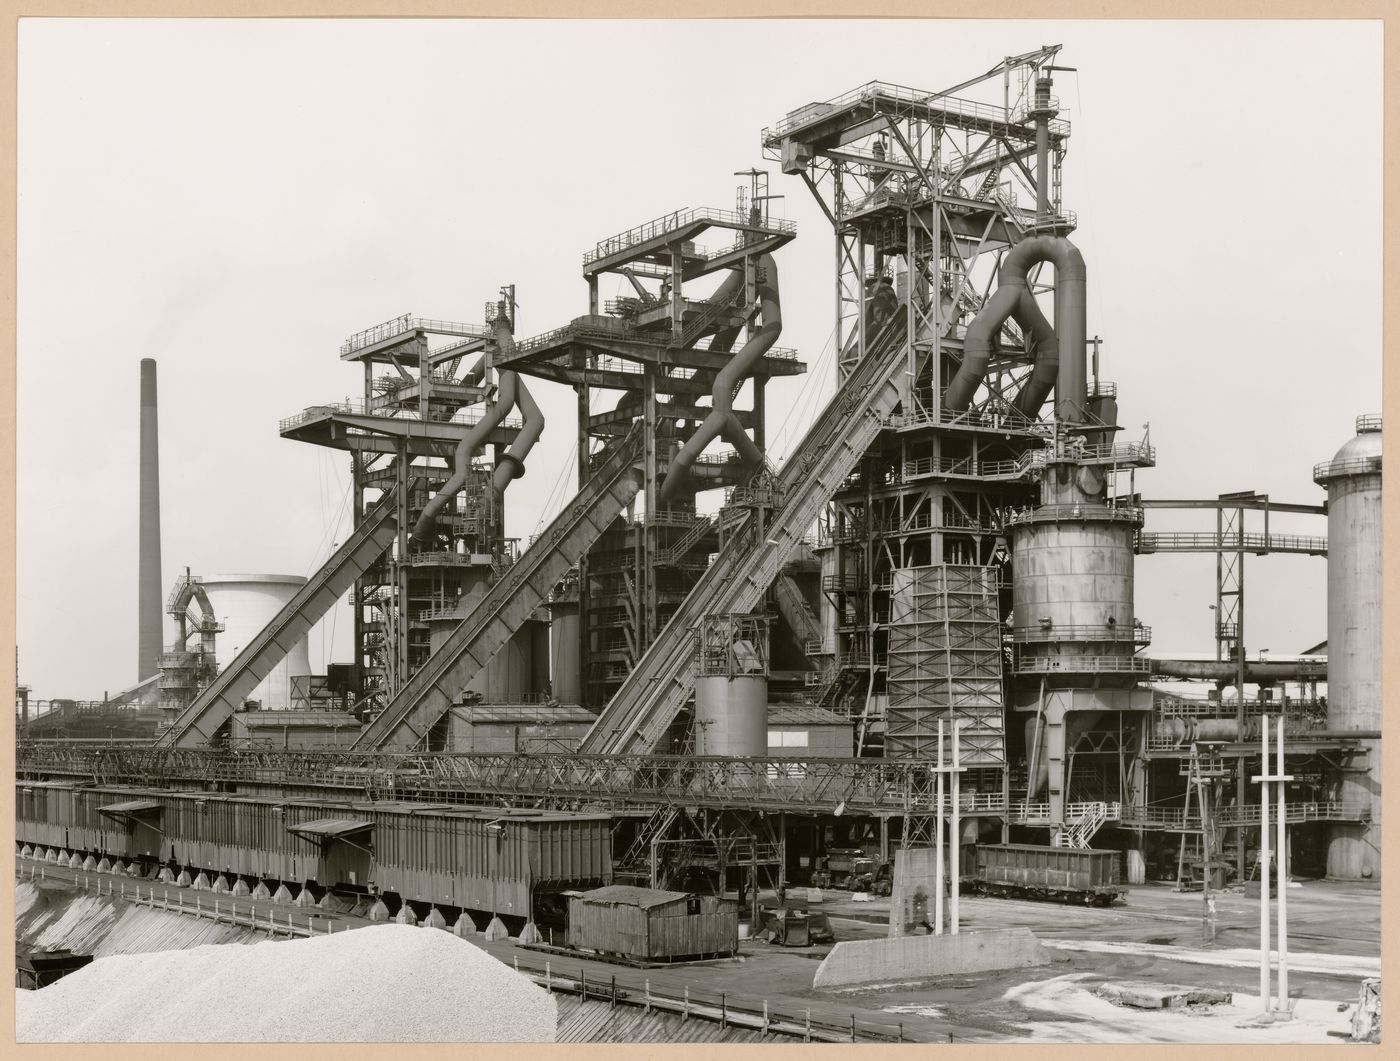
column 647, row 924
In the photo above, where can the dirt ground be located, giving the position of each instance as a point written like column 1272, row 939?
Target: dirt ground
column 1156, row 935
column 1334, row 942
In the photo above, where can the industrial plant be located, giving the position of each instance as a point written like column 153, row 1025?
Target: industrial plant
column 719, row 693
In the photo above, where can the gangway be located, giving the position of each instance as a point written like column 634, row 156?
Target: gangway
column 653, row 694
column 428, row 695
column 199, row 723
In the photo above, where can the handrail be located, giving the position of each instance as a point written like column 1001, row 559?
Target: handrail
column 1349, row 466
column 1022, row 664
column 657, row 227
column 408, row 323
column 1209, row 541
column 356, row 407
column 1133, row 633
column 884, row 91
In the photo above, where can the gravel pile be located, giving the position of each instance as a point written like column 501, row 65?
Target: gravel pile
column 386, row 983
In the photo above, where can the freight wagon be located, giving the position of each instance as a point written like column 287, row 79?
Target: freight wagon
column 488, row 859
column 1091, row 876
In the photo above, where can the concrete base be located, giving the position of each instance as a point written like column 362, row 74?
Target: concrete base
column 435, row 919
column 530, row 934
column 924, row 957
column 283, row 894
column 183, row 880
column 405, row 916
column 378, row 912
column 1142, row 995
column 104, row 866
column 201, row 882
column 465, row 926
column 496, row 930
column 240, row 887
column 89, row 863
column 261, row 892
column 306, row 899
column 220, row 885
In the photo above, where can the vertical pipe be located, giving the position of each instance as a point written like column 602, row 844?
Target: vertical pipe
column 1042, row 148
column 148, row 622
column 1264, row 865
column 938, row 839
column 955, row 832
column 1282, row 857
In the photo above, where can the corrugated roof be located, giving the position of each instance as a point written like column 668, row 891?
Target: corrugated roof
column 630, row 895
column 331, row 827
column 130, row 806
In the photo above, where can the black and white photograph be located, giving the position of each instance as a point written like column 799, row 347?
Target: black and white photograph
column 702, row 530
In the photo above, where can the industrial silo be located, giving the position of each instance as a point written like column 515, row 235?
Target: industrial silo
column 731, row 691
column 1352, row 480
column 245, row 604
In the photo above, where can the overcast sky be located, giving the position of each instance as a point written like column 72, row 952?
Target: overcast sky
column 234, row 198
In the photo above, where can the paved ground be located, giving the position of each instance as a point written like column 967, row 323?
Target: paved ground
column 1334, row 936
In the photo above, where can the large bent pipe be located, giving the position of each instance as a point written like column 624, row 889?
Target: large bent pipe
column 1059, row 352
column 471, row 442
column 1229, row 670
column 511, row 464
column 722, row 420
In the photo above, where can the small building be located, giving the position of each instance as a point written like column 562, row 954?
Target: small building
column 648, row 924
column 816, row 732
column 509, row 729
column 295, row 730
column 39, row 968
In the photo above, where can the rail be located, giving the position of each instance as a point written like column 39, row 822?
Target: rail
column 559, row 779
column 354, row 407
column 1055, row 513
column 1081, row 665
column 1368, row 422
column 885, row 92
column 984, row 420
column 1210, row 542
column 409, row 323
column 1350, row 466
column 1130, row 633
column 672, row 222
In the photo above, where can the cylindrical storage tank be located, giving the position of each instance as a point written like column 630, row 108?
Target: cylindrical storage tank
column 1353, row 483
column 731, row 715
column 539, row 654
column 565, row 679
column 245, row 604
column 1072, row 584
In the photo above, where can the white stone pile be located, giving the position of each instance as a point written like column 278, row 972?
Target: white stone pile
column 382, row 984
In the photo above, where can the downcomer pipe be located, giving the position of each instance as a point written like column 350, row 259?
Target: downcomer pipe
column 466, row 449
column 1013, row 298
column 722, row 420
column 1228, row 670
column 511, row 464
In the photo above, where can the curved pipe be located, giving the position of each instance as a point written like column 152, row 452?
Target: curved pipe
column 1227, row 670
column 474, row 438
column 722, row 420
column 1071, row 389
column 511, row 464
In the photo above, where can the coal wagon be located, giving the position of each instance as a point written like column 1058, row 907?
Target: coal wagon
column 1091, row 876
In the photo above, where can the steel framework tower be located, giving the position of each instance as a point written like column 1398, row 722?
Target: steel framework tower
column 661, row 351
column 924, row 194
column 421, row 398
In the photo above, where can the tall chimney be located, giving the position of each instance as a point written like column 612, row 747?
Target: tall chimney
column 149, row 620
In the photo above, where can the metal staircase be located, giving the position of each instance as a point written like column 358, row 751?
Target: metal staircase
column 1082, row 822
column 687, row 541
column 199, row 723
column 426, row 697
column 656, row 691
